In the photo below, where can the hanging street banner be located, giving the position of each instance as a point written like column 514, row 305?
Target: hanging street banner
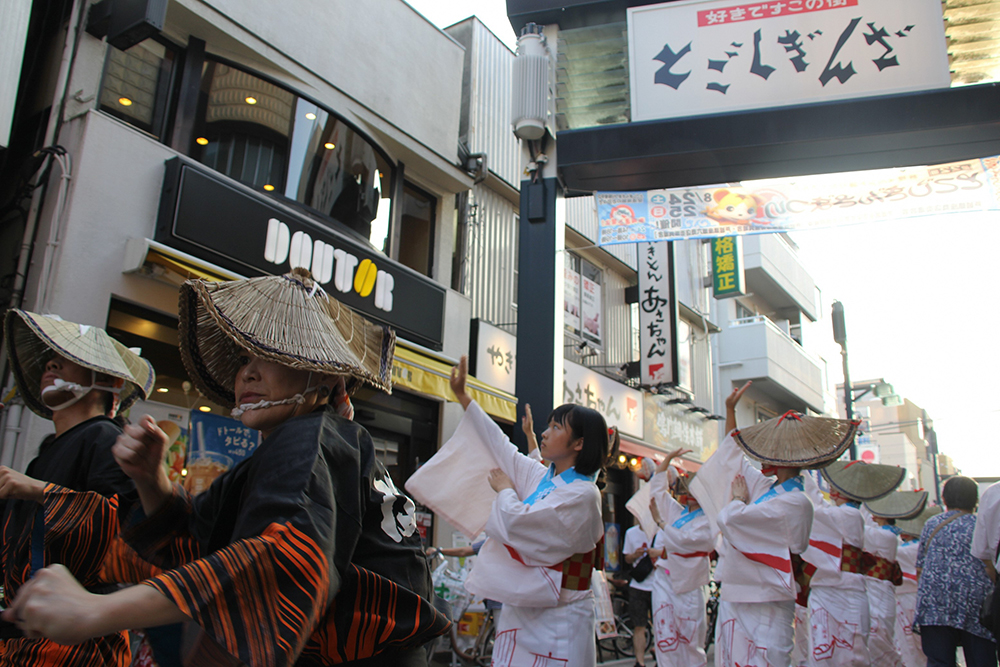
column 790, row 204
column 727, row 267
column 711, row 56
column 657, row 315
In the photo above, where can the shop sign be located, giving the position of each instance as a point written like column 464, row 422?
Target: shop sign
column 797, row 203
column 620, row 405
column 494, row 355
column 657, row 315
column 571, row 301
column 671, row 426
column 219, row 221
column 711, row 56
column 727, row 267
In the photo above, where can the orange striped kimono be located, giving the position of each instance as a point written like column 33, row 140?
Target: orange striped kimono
column 79, row 519
column 303, row 554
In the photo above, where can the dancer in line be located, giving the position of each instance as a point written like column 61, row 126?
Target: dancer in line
column 544, row 533
column 80, row 378
column 685, row 540
column 765, row 520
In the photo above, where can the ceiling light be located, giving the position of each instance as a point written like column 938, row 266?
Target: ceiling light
column 329, row 146
column 310, row 116
column 201, row 141
column 124, row 101
column 162, row 390
column 622, row 458
column 251, row 100
column 205, row 408
column 184, row 472
column 268, row 187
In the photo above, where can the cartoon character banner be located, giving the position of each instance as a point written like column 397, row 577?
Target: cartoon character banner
column 711, row 56
column 789, row 204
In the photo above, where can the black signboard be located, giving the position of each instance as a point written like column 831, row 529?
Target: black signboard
column 221, row 222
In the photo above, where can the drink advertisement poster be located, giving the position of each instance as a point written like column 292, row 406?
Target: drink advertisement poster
column 591, row 310
column 217, row 444
column 571, row 318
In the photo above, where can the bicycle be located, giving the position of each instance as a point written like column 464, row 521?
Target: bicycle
column 621, row 646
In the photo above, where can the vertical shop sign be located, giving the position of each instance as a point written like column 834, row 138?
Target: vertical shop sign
column 727, row 267
column 590, row 305
column 657, row 315
column 571, row 316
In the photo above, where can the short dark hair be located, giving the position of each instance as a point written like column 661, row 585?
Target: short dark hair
column 587, row 423
column 960, row 493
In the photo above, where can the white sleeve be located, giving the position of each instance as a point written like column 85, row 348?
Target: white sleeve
column 523, row 471
column 659, row 489
column 566, row 522
column 712, row 486
column 985, row 537
column 782, row 522
column 694, row 537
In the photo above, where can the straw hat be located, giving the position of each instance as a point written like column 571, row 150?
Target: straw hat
column 916, row 526
column 31, row 339
column 286, row 319
column 862, row 481
column 899, row 505
column 794, row 440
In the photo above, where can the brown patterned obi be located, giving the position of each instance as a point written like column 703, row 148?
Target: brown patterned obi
column 852, row 559
column 578, row 569
column 882, row 568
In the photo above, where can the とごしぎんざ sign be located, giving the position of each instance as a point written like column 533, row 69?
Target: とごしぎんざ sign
column 710, row 56
column 210, row 217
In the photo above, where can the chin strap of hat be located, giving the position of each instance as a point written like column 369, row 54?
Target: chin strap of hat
column 77, row 390
column 299, row 399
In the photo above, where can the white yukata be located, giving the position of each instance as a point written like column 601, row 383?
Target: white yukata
column 532, row 529
column 679, row 579
column 907, row 641
column 839, row 619
column 882, row 542
column 757, row 604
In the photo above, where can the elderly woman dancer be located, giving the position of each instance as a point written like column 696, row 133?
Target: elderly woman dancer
column 79, row 377
column 682, row 569
column 765, row 520
column 544, row 534
column 305, row 553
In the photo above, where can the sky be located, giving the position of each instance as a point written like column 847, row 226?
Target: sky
column 920, row 299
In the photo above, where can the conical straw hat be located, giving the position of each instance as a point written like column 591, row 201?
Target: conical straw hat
column 916, row 526
column 31, row 340
column 794, row 440
column 862, row 481
column 899, row 505
column 286, row 319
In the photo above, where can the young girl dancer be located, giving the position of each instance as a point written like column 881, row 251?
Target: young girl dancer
column 545, row 535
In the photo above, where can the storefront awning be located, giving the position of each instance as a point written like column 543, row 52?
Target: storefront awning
column 169, row 264
column 645, row 450
column 422, row 373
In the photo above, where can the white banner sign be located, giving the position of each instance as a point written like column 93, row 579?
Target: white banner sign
column 571, row 296
column 657, row 315
column 788, row 204
column 590, row 305
column 710, row 56
column 620, row 405
column 496, row 356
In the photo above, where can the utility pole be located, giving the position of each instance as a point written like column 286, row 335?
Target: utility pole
column 840, row 337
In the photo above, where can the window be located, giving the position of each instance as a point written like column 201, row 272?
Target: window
column 742, row 311
column 416, row 229
column 137, row 84
column 272, row 139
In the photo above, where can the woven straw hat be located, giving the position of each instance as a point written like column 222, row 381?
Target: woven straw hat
column 794, row 440
column 31, row 339
column 899, row 505
column 286, row 319
column 916, row 526
column 862, row 481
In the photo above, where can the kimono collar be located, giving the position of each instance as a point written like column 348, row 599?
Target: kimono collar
column 892, row 529
column 686, row 516
column 552, row 480
column 789, row 485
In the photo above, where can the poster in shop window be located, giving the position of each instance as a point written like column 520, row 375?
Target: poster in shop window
column 571, row 316
column 590, row 307
column 711, row 56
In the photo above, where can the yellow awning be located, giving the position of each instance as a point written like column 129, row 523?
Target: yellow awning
column 419, row 372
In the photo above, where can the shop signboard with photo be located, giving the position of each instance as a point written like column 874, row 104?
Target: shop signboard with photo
column 217, row 444
column 493, row 356
column 620, row 405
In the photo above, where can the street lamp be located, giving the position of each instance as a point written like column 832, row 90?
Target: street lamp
column 840, row 337
column 930, row 435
